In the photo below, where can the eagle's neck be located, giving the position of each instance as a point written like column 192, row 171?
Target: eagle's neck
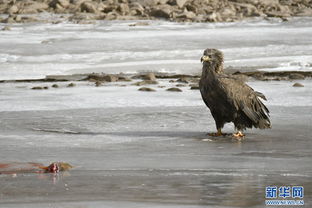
column 209, row 70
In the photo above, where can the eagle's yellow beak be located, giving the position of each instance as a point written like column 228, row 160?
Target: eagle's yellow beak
column 204, row 58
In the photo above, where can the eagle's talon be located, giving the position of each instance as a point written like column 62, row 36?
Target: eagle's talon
column 238, row 135
column 217, row 134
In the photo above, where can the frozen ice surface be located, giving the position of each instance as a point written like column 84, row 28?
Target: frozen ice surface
column 19, row 97
column 151, row 155
column 39, row 49
column 149, row 149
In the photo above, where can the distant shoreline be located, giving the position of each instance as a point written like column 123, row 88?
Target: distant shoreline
column 93, row 77
column 87, row 11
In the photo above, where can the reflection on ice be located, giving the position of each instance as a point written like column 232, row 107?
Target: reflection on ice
column 126, row 157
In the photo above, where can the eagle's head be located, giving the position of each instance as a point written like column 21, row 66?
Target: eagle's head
column 214, row 59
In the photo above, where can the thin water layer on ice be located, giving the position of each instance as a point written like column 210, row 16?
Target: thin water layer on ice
column 148, row 149
column 38, row 49
column 158, row 156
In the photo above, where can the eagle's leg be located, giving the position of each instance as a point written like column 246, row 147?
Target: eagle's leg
column 218, row 133
column 239, row 135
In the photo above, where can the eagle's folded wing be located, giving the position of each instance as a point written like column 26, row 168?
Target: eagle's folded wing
column 245, row 99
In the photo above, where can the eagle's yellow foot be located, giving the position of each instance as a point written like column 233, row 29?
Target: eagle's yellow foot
column 238, row 135
column 217, row 134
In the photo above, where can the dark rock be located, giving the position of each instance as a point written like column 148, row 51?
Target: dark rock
column 145, row 3
column 145, row 82
column 98, row 83
column 111, row 16
column 180, row 85
column 123, row 9
column 103, row 77
column 89, row 6
column 136, row 9
column 180, row 3
column 124, row 79
column 214, row 17
column 194, row 87
column 149, row 76
column 284, row 75
column 147, row 89
column 195, row 80
column 59, row 4
column 174, row 89
column 229, row 14
column 110, row 78
column 145, row 76
column 71, row 85
column 13, row 9
column 176, row 10
column 296, row 76
column 18, row 18
column 278, row 79
column 32, row 7
column 109, row 8
column 183, row 80
column 191, row 8
column 246, row 9
column 56, row 22
column 258, row 76
column 298, row 85
column 55, row 86
column 305, row 12
column 162, row 1
column 46, row 42
column 74, row 77
column 37, row 88
column 162, row 11
column 186, row 15
column 45, row 87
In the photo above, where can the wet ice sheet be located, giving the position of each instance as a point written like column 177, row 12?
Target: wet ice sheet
column 152, row 151
column 35, row 50
column 152, row 155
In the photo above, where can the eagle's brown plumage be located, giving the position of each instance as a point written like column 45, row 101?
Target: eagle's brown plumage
column 230, row 99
